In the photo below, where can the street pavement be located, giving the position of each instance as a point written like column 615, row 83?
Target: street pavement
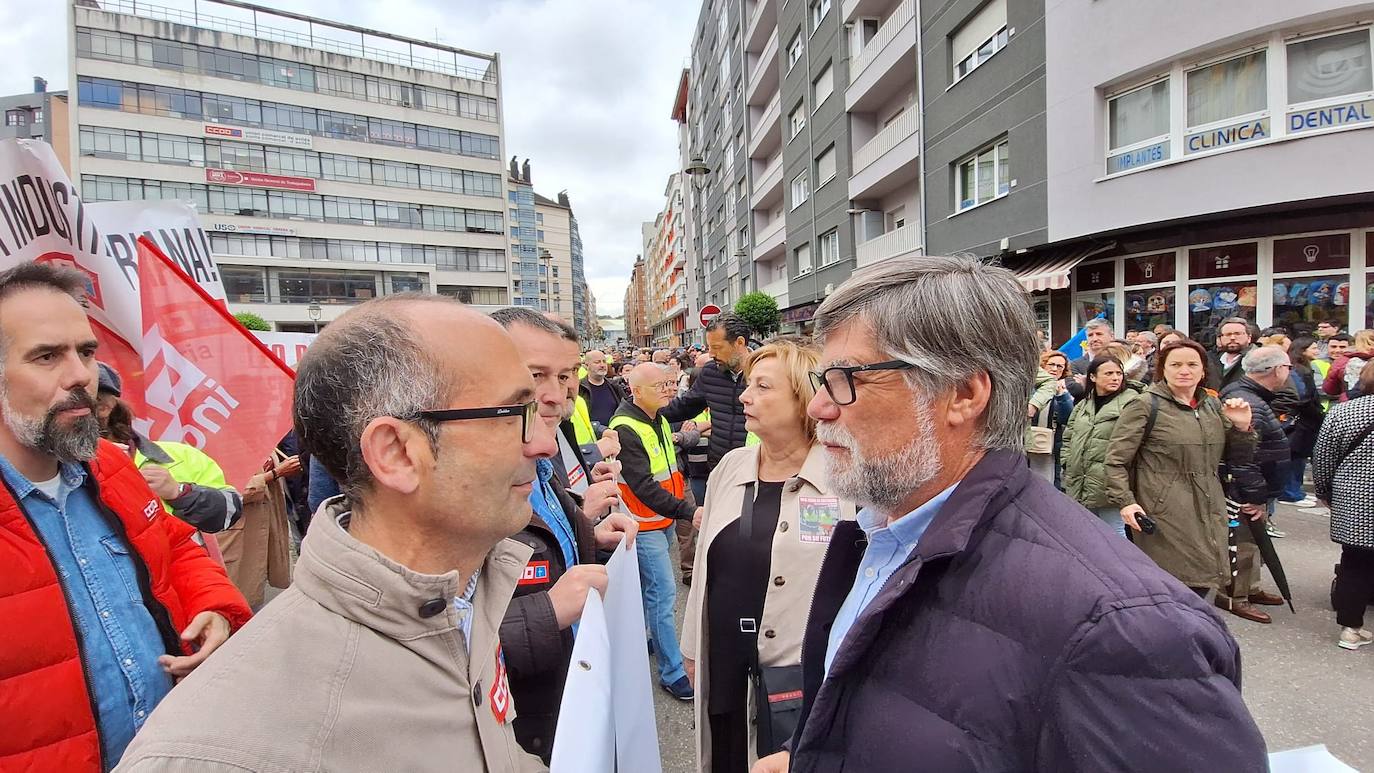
column 1301, row 688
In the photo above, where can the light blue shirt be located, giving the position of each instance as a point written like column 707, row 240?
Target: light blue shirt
column 463, row 606
column 544, row 502
column 889, row 546
column 119, row 639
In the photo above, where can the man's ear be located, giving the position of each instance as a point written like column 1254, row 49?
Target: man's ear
column 970, row 400
column 396, row 453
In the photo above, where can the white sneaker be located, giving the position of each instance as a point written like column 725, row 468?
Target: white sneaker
column 1352, row 639
column 1305, row 502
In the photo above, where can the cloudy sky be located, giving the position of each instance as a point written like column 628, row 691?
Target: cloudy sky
column 588, row 91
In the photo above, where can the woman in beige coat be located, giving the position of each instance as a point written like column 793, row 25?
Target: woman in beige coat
column 755, row 576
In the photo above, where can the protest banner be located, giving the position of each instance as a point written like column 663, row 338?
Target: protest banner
column 172, row 225
column 287, row 347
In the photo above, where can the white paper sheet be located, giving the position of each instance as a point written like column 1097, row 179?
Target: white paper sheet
column 1308, row 759
column 606, row 722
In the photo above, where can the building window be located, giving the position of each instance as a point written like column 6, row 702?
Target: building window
column 825, row 166
column 819, row 8
column 979, row 39
column 16, row 117
column 801, row 190
column 984, row 176
column 830, row 246
column 796, row 120
column 1329, row 67
column 823, row 86
column 803, row 254
column 1138, row 127
column 794, row 51
column 1227, row 90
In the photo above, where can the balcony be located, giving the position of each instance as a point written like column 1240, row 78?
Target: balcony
column 895, row 243
column 889, row 159
column 771, row 240
column 762, row 21
column 852, row 9
column 767, row 185
column 766, row 135
column 778, row 290
column 889, row 57
column 763, row 76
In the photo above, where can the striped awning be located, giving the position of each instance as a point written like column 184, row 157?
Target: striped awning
column 1051, row 272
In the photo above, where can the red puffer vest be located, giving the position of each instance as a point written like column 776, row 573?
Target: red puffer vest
column 47, row 713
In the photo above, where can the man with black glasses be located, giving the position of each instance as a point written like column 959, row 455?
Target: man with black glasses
column 384, row 653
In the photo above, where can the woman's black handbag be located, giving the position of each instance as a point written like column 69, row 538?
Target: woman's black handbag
column 777, row 705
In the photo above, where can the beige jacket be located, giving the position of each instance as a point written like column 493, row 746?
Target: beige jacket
column 798, row 549
column 359, row 666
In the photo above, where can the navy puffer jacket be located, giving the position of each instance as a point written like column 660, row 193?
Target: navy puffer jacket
column 718, row 390
column 1260, row 479
column 1021, row 634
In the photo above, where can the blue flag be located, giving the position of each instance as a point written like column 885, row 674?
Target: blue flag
column 1073, row 348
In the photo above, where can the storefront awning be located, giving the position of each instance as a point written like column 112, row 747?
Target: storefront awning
column 1051, row 272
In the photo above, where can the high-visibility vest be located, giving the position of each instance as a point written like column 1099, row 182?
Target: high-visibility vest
column 581, row 372
column 662, row 465
column 582, row 422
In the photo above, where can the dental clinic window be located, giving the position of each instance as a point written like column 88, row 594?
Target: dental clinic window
column 1227, row 103
column 1329, row 67
column 984, row 176
column 1138, row 126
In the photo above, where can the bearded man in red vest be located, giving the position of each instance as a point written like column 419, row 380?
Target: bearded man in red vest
column 105, row 600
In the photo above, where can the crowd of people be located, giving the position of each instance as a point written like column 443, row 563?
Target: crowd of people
column 901, row 538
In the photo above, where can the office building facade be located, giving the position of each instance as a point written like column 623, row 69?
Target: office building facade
column 327, row 171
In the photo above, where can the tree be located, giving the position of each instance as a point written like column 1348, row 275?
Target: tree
column 760, row 310
column 252, row 321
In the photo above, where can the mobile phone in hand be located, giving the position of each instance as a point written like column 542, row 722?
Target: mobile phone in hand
column 1146, row 523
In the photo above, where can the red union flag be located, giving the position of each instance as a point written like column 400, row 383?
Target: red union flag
column 205, row 380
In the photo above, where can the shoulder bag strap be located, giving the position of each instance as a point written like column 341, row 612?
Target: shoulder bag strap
column 746, row 514
column 1150, row 420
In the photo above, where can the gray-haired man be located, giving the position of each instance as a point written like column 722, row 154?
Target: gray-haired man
column 384, row 654
column 1098, row 333
column 992, row 620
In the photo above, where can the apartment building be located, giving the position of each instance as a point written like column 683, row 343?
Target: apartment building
column 546, row 258
column 1206, row 162
column 666, row 269
column 331, row 164
column 637, row 330
column 41, row 115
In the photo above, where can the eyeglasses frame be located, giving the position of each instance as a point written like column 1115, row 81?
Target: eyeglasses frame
column 820, row 379
column 525, row 411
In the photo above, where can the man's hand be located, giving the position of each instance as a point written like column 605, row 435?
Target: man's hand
column 208, row 630
column 600, row 499
column 160, row 481
column 1256, row 512
column 289, row 466
column 691, row 668
column 1238, row 411
column 773, row 763
column 689, row 426
column 698, row 517
column 569, row 594
column 1128, row 514
column 609, row 444
column 1031, row 410
column 609, row 532
column 606, row 469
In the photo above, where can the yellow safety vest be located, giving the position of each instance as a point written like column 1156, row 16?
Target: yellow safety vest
column 582, row 422
column 662, row 465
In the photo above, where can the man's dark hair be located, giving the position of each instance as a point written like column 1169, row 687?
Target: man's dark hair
column 733, row 324
column 1332, row 322
column 1342, row 337
column 32, row 274
column 1234, row 321
column 365, row 365
column 529, row 317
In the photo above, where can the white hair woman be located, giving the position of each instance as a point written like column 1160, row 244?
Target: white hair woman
column 766, row 523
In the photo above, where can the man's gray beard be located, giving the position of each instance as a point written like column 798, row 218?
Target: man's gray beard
column 71, row 445
column 883, row 484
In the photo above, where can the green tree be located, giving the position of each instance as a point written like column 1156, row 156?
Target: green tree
column 760, row 310
column 252, row 321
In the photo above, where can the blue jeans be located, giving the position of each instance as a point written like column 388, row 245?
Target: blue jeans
column 1292, row 472
column 1112, row 517
column 659, row 587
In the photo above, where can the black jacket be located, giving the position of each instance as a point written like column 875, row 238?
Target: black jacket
column 1260, row 479
column 536, row 651
column 719, row 391
column 1020, row 634
column 617, row 389
column 1300, row 412
column 634, row 467
column 1220, row 376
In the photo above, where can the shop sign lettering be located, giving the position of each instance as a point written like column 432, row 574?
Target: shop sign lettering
column 1350, row 114
column 1226, row 136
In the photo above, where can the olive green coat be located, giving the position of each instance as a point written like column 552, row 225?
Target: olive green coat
column 1086, row 437
column 1174, row 476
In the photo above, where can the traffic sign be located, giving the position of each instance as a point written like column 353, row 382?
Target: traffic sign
column 709, row 312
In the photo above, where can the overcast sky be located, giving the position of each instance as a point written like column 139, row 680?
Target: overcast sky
column 589, row 87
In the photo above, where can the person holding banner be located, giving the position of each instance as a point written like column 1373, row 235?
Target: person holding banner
column 105, row 600
column 537, row 630
column 384, row 653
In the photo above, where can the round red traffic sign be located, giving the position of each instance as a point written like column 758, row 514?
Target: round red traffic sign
column 709, row 312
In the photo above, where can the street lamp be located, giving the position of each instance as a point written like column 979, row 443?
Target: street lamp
column 697, row 166
column 315, row 312
column 547, row 258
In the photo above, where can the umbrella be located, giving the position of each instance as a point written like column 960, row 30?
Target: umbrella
column 1265, row 543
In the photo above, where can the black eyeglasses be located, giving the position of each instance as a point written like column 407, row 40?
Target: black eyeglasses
column 527, row 413
column 839, row 380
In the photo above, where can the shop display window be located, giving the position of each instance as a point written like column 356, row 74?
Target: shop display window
column 1312, row 253
column 1209, row 304
column 1300, row 302
column 1147, row 307
column 1224, row 261
column 1091, row 305
column 1150, row 269
column 1369, row 301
